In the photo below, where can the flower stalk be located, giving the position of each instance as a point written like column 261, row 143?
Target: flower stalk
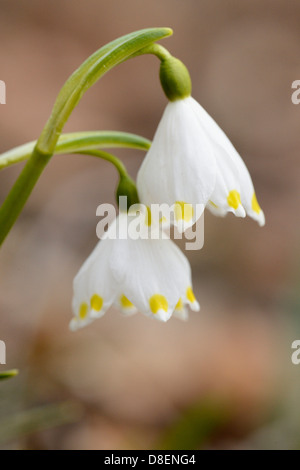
column 80, row 81
column 8, row 374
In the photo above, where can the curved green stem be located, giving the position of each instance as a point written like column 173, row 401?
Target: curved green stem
column 89, row 73
column 126, row 187
column 76, row 142
column 80, row 81
column 155, row 49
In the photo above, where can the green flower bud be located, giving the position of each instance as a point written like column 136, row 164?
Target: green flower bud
column 127, row 187
column 175, row 79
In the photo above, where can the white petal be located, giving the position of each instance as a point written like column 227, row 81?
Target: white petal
column 231, row 166
column 181, row 311
column 248, row 196
column 180, row 165
column 75, row 324
column 152, row 274
column 227, row 183
column 195, row 306
column 181, row 315
column 190, row 299
column 215, row 210
column 93, row 285
column 213, row 130
column 125, row 305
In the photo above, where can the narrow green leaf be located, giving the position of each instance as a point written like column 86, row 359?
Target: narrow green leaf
column 8, row 374
column 117, row 52
column 153, row 34
column 195, row 426
column 77, row 142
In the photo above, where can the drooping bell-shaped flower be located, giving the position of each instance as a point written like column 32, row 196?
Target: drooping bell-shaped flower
column 234, row 190
column 135, row 273
column 191, row 162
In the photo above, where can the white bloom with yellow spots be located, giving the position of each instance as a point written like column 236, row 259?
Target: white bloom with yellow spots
column 149, row 275
column 191, row 163
column 234, row 190
column 179, row 167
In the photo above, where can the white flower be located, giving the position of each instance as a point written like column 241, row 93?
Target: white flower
column 149, row 275
column 190, row 162
column 234, row 190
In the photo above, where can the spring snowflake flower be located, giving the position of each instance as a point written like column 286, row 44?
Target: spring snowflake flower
column 149, row 275
column 192, row 163
column 234, row 190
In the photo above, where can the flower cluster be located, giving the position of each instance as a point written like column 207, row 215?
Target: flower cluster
column 191, row 162
column 148, row 274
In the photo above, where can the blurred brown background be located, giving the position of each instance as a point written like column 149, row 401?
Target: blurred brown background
column 225, row 377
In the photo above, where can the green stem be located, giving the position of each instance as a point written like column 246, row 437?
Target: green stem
column 110, row 158
column 29, row 177
column 126, row 186
column 21, row 190
column 90, row 71
column 77, row 142
column 155, row 49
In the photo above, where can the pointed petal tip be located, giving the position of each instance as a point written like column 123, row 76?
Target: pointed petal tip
column 240, row 212
column 74, row 325
column 215, row 210
column 94, row 314
column 195, row 306
column 162, row 315
column 259, row 218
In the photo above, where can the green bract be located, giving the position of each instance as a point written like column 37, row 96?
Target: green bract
column 127, row 187
column 175, row 79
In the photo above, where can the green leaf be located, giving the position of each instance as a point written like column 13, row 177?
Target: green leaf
column 195, row 426
column 89, row 73
column 8, row 374
column 77, row 142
